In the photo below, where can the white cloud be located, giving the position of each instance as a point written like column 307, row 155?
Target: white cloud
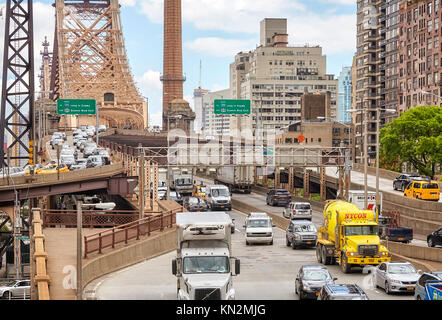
column 127, row 3
column 227, row 15
column 219, row 47
column 149, row 82
column 335, row 32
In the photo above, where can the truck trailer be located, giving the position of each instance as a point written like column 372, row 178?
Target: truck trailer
column 349, row 237
column 204, row 261
column 238, row 179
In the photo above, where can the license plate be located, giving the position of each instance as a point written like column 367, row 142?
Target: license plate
column 317, row 293
column 309, row 242
column 410, row 288
column 400, row 238
column 370, row 260
column 222, row 207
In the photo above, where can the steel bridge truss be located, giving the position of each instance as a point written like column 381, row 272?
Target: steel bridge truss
column 90, row 61
column 17, row 101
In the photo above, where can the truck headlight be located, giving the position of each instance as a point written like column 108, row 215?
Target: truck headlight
column 352, row 254
column 249, row 234
column 394, row 281
column 306, row 288
column 297, row 236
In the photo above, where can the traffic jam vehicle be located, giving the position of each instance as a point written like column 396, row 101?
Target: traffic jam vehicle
column 423, row 190
column 349, row 236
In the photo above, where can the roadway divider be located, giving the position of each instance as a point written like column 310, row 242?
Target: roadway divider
column 415, row 252
column 39, row 273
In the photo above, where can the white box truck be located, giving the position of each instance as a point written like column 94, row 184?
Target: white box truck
column 204, row 265
column 182, row 181
column 357, row 197
column 238, row 178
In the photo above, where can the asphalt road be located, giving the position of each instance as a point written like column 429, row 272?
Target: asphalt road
column 268, row 272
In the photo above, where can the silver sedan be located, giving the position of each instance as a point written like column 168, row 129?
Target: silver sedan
column 396, row 277
column 16, row 289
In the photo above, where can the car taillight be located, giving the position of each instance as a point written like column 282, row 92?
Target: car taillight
column 294, row 211
column 276, row 196
column 388, row 231
column 311, row 211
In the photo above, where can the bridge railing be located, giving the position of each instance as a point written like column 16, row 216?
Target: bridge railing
column 91, row 218
column 134, row 230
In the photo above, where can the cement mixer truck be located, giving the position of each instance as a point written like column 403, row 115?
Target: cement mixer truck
column 349, row 237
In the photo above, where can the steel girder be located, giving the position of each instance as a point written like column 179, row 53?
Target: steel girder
column 17, row 103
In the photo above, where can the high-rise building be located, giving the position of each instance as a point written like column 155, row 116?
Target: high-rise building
column 344, row 95
column 198, row 124
column 391, row 65
column 370, row 73
column 419, row 54
column 274, row 77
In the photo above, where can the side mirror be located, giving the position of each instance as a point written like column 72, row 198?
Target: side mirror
column 297, row 278
column 174, row 267
column 244, row 226
column 334, row 279
column 419, row 271
column 237, row 266
column 273, row 225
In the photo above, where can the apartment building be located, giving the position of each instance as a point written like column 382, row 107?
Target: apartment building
column 391, row 65
column 420, row 54
column 370, row 73
column 274, row 77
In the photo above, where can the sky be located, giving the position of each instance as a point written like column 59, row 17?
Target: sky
column 213, row 32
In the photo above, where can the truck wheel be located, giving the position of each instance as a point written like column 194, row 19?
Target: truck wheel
column 271, row 243
column 287, row 242
column 345, row 266
column 430, row 243
column 247, row 243
column 326, row 260
column 6, row 295
column 387, row 288
column 294, row 245
column 318, row 253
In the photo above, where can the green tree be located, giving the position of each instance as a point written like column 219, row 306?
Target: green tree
column 416, row 138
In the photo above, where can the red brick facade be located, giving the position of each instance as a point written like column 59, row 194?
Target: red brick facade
column 420, row 35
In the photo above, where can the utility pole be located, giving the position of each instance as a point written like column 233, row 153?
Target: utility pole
column 17, row 235
column 79, row 251
column 141, row 178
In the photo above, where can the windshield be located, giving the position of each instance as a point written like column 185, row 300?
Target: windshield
column 316, row 275
column 361, row 230
column 193, row 200
column 302, row 206
column 305, row 228
column 184, row 182
column 401, row 269
column 261, row 223
column 348, row 298
column 220, row 192
column 206, row 265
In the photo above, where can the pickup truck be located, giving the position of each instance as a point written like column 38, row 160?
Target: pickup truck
column 389, row 230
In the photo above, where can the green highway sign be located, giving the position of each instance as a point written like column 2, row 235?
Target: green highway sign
column 232, row 107
column 76, row 106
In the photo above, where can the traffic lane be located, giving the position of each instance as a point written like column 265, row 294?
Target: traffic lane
column 268, row 272
column 259, row 201
column 385, row 185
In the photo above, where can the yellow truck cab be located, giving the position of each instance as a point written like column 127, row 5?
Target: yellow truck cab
column 425, row 190
column 349, row 237
column 199, row 190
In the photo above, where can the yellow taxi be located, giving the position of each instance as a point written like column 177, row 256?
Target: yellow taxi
column 35, row 168
column 52, row 168
column 425, row 190
column 199, row 190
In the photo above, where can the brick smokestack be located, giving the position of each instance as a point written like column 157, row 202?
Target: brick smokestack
column 172, row 78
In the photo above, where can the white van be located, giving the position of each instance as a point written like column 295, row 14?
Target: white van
column 259, row 228
column 218, row 197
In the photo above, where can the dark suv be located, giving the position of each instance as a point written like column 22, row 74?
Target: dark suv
column 342, row 292
column 401, row 182
column 310, row 280
column 278, row 197
column 435, row 238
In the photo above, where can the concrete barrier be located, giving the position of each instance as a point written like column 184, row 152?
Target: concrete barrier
column 121, row 258
column 415, row 252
